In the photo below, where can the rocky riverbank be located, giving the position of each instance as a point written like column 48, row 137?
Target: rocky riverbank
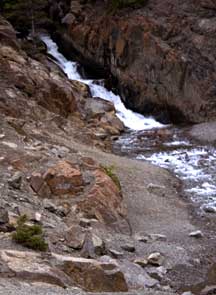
column 112, row 224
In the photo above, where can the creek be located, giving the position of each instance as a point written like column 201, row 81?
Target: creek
column 146, row 139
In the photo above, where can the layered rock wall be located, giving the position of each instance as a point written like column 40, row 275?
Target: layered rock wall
column 162, row 54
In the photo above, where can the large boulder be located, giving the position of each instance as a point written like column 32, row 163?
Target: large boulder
column 92, row 275
column 90, row 190
column 31, row 266
column 89, row 274
column 103, row 201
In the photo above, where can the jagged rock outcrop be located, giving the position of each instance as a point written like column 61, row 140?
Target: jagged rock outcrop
column 34, row 88
column 162, row 54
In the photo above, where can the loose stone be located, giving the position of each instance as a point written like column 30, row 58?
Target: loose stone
column 196, row 234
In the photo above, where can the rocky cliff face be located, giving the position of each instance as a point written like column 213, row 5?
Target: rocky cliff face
column 162, row 54
column 111, row 223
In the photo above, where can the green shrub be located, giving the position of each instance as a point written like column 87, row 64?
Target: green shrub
column 109, row 170
column 30, row 236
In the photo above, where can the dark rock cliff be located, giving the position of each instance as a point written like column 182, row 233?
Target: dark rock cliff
column 162, row 54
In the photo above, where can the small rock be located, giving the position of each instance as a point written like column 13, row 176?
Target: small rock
column 115, row 253
column 157, row 272
column 75, row 237
column 3, row 216
column 2, row 135
column 128, row 247
column 187, row 293
column 154, row 187
column 15, row 181
column 141, row 238
column 141, row 262
column 196, row 234
column 98, row 244
column 10, row 144
column 8, row 220
column 38, row 216
column 84, row 222
column 93, row 245
column 155, row 259
column 158, row 237
column 12, row 218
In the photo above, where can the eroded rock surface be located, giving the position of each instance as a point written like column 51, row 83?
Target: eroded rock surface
column 162, row 54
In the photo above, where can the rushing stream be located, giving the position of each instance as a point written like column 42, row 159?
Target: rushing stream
column 147, row 139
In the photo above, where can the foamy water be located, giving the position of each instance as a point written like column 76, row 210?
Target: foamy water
column 130, row 119
column 194, row 165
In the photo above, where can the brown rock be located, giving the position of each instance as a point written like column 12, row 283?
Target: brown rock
column 39, row 185
column 30, row 266
column 162, row 54
column 93, row 276
column 96, row 107
column 64, row 178
column 104, row 201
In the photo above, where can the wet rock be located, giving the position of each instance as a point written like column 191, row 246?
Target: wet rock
column 96, row 107
column 155, row 259
column 16, row 181
column 209, row 209
column 196, row 234
column 92, row 275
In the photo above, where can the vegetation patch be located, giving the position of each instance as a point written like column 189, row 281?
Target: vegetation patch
column 30, row 236
column 109, row 170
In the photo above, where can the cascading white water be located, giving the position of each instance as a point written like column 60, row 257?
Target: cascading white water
column 193, row 164
column 130, row 119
